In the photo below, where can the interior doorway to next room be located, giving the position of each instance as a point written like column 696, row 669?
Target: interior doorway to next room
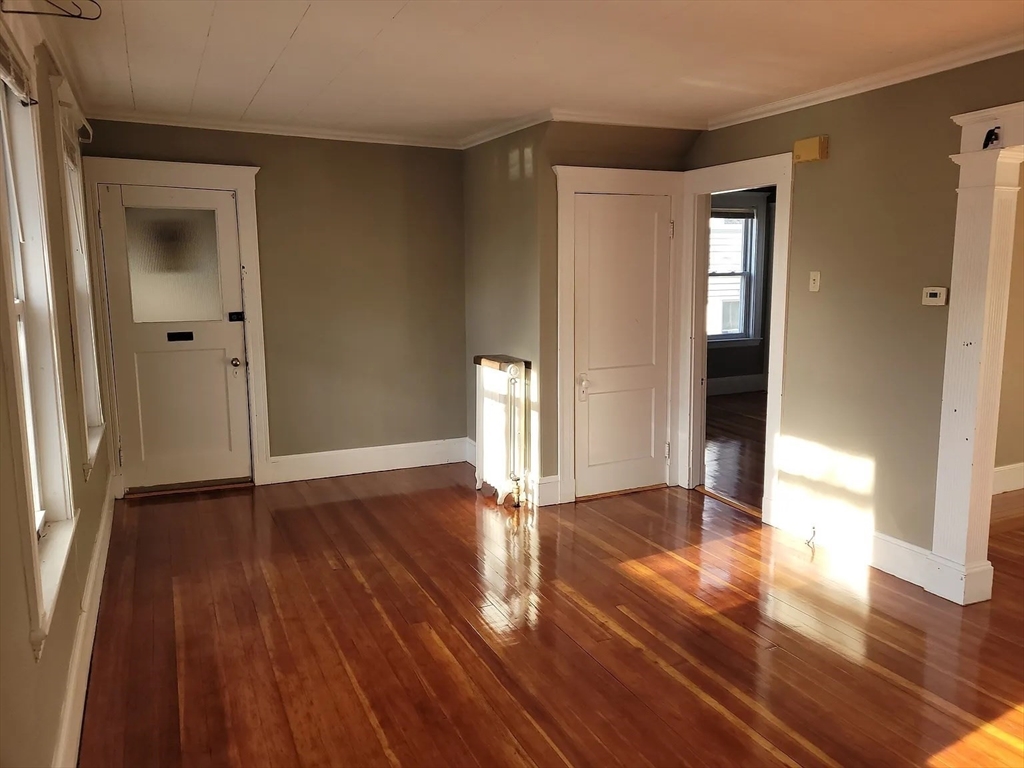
column 740, row 240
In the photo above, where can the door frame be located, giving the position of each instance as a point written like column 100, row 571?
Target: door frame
column 572, row 180
column 691, row 373
column 241, row 180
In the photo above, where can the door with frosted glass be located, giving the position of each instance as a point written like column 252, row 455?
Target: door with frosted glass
column 175, row 297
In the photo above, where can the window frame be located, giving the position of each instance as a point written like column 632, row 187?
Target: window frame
column 752, row 308
column 81, row 276
column 39, row 437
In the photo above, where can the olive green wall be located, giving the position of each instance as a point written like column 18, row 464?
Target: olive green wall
column 864, row 359
column 502, row 257
column 361, row 261
column 1010, row 440
column 32, row 692
column 600, row 146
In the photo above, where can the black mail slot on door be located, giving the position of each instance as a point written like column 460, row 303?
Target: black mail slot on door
column 179, row 336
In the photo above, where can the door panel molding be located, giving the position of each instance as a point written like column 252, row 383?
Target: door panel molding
column 241, row 180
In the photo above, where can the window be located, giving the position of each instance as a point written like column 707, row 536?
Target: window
column 80, row 272
column 735, row 267
column 29, row 346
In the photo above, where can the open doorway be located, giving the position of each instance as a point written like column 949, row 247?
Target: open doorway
column 740, row 239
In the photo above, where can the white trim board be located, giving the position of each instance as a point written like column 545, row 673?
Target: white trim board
column 1008, row 478
column 73, row 709
column 357, row 461
column 496, row 131
column 241, row 180
column 547, row 492
column 911, row 563
column 732, row 385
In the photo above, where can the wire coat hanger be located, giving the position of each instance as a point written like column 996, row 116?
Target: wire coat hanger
column 61, row 11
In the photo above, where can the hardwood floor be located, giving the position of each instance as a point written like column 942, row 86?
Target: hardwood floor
column 734, row 447
column 401, row 619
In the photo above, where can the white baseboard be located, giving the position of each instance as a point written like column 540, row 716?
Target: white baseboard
column 733, row 385
column 962, row 584
column 547, row 491
column 356, row 461
column 900, row 558
column 470, row 451
column 919, row 566
column 1008, row 478
column 73, row 709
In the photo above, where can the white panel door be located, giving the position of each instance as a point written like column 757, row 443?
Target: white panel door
column 173, row 276
column 622, row 321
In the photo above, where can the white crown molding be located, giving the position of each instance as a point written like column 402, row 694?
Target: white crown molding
column 505, row 128
column 621, row 118
column 947, row 61
column 272, row 129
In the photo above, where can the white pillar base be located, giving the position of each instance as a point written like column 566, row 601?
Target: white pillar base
column 959, row 583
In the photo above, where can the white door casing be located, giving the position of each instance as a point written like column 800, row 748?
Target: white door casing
column 173, row 276
column 622, row 310
column 690, row 375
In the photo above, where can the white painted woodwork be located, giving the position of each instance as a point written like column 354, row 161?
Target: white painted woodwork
column 623, row 245
column 442, row 73
column 182, row 406
column 689, row 374
column 573, row 182
column 979, row 294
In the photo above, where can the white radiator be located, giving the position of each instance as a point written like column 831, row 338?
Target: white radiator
column 501, row 408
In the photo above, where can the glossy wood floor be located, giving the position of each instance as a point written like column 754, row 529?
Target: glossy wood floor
column 401, row 619
column 734, row 446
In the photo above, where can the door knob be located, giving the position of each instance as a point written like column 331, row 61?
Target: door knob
column 235, row 362
column 584, row 386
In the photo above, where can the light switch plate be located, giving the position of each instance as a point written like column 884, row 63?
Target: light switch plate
column 934, row 296
column 815, row 284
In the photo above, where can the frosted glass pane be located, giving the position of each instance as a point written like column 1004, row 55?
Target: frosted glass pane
column 173, row 265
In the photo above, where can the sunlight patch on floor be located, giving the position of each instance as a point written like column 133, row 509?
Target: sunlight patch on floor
column 980, row 738
column 828, row 494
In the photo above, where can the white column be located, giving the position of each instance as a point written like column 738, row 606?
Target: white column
column 978, row 295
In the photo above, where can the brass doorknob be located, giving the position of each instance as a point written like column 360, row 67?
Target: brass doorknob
column 235, row 362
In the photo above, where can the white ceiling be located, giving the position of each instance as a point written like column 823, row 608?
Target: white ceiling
column 446, row 73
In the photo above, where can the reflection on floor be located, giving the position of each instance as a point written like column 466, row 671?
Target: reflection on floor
column 401, row 619
column 734, row 446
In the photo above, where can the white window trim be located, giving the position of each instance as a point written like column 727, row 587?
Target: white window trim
column 45, row 549
column 88, row 374
column 758, row 201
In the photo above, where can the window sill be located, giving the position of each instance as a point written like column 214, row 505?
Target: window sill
column 726, row 343
column 54, row 549
column 94, row 437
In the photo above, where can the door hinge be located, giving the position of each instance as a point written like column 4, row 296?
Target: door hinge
column 672, row 228
column 120, row 453
column 668, row 450
column 99, row 219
